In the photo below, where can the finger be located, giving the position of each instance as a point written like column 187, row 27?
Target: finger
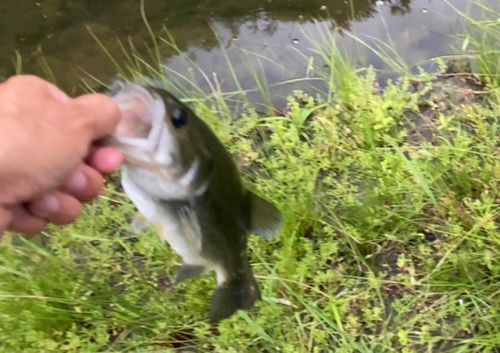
column 105, row 159
column 101, row 113
column 69, row 211
column 85, row 184
column 57, row 94
column 25, row 223
column 57, row 208
column 43, row 206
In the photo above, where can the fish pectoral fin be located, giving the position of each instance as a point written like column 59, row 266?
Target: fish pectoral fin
column 265, row 218
column 189, row 271
column 139, row 223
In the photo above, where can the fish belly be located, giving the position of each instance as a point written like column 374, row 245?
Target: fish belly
column 184, row 239
column 180, row 229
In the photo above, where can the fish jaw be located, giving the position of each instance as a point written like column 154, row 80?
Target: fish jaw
column 150, row 154
column 140, row 108
column 141, row 135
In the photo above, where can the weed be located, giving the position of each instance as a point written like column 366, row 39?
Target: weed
column 390, row 241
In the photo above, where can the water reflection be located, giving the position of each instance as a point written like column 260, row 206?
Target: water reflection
column 262, row 27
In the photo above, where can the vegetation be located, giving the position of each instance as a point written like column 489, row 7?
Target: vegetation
column 391, row 241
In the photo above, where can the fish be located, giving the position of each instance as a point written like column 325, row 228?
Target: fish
column 185, row 183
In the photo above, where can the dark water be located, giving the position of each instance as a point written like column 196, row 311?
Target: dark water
column 251, row 29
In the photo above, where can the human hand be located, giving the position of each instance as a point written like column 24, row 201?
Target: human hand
column 48, row 165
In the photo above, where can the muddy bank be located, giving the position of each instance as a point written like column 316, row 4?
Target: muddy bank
column 449, row 92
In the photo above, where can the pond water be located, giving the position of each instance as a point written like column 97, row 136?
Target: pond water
column 279, row 30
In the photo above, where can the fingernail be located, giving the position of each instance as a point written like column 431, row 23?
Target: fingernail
column 115, row 159
column 44, row 206
column 77, row 182
column 58, row 95
column 106, row 159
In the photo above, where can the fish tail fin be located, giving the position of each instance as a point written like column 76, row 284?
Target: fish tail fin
column 238, row 293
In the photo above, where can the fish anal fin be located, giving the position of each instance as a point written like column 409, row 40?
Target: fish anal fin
column 265, row 218
column 160, row 230
column 186, row 272
column 139, row 223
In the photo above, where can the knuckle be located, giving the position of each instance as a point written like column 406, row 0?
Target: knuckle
column 22, row 80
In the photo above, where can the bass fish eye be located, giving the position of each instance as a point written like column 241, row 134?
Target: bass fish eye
column 179, row 117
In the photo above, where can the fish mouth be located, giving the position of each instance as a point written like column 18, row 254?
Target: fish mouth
column 137, row 135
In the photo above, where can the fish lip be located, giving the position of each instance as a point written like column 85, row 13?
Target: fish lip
column 123, row 142
column 127, row 148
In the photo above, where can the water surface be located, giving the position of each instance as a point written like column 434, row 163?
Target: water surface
column 275, row 29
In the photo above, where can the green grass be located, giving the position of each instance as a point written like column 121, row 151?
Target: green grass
column 480, row 38
column 390, row 244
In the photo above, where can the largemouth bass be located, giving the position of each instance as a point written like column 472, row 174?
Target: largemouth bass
column 184, row 181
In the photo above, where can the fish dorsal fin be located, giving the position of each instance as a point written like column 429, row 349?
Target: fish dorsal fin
column 139, row 223
column 265, row 218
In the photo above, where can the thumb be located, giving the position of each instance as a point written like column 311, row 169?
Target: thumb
column 98, row 114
